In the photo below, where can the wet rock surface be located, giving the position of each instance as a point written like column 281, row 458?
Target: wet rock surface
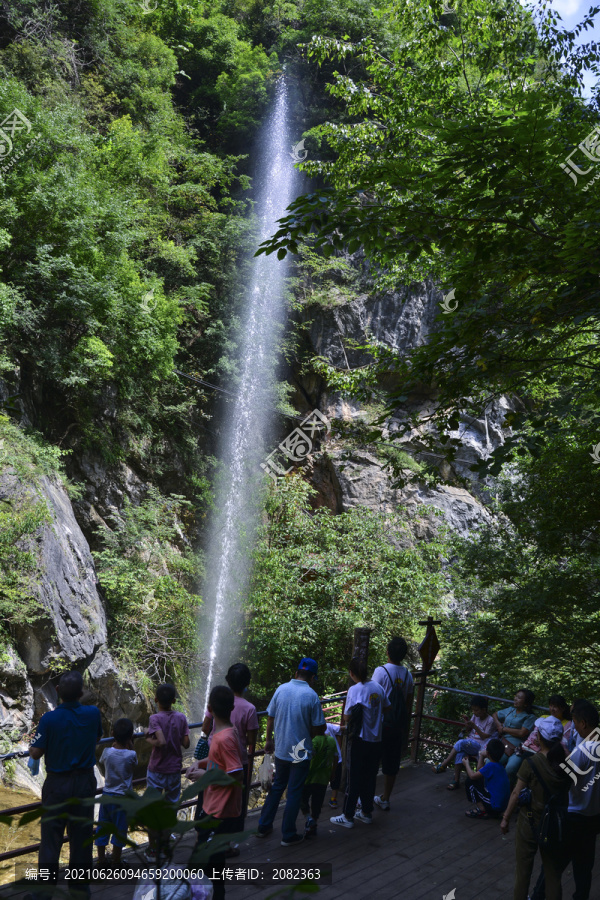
column 345, row 478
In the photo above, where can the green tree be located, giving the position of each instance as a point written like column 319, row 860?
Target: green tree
column 148, row 572
column 450, row 168
column 318, row 576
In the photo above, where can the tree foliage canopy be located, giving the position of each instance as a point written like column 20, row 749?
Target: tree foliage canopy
column 318, row 576
column 451, row 164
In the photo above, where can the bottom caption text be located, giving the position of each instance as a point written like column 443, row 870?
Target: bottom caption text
column 258, row 872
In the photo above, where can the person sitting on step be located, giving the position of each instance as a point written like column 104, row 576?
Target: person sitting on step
column 489, row 786
column 560, row 709
column 481, row 729
column 515, row 724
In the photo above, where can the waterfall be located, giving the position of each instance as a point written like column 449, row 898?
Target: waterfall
column 248, row 417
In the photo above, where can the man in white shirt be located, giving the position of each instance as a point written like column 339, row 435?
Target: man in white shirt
column 393, row 678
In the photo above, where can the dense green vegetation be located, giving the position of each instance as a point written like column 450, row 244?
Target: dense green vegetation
column 317, row 576
column 149, row 573
column 125, row 219
column 450, row 166
column 436, row 141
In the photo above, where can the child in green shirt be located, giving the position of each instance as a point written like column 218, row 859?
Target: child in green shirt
column 313, row 793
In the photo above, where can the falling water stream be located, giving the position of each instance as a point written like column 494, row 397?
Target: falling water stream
column 248, row 417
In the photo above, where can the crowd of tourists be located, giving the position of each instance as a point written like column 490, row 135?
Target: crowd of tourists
column 545, row 769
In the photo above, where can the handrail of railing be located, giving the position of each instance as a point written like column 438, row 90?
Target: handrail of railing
column 336, row 698
column 440, row 687
column 15, row 754
column 416, row 738
column 21, row 754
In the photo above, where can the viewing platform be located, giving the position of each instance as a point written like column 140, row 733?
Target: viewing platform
column 422, row 849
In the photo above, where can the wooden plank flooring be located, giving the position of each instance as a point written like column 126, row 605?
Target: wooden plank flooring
column 421, row 850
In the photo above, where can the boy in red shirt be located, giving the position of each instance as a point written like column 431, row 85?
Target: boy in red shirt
column 223, row 802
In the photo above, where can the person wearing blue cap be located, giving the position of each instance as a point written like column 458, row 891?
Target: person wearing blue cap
column 295, row 714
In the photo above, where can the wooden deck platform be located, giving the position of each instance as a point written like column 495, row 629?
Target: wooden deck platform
column 420, row 850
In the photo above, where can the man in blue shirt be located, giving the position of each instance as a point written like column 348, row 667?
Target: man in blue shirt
column 295, row 713
column 67, row 738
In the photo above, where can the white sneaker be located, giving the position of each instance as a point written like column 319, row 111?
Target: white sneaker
column 382, row 804
column 341, row 820
column 359, row 814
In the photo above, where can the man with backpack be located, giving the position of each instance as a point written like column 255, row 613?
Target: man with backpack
column 541, row 797
column 397, row 683
column 583, row 818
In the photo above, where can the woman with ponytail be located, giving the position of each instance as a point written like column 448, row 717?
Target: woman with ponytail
column 365, row 703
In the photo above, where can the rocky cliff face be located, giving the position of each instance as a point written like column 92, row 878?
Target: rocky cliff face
column 70, row 628
column 347, row 477
column 400, row 320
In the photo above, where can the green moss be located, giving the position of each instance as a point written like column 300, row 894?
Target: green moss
column 27, row 453
column 398, row 459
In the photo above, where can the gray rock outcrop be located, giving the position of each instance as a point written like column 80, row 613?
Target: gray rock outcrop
column 113, row 692
column 105, row 490
column 401, row 321
column 347, row 479
column 72, row 624
column 16, row 693
column 70, row 627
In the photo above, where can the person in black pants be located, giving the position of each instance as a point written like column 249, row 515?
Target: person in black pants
column 67, row 737
column 365, row 703
column 583, row 817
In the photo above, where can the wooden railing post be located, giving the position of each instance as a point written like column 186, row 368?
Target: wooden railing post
column 416, row 735
column 362, row 636
column 428, row 650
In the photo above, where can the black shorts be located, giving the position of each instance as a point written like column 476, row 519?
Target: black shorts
column 391, row 751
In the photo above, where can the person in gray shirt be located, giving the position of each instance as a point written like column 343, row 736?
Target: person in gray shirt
column 119, row 761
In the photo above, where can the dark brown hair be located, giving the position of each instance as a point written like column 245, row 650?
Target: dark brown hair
column 358, row 668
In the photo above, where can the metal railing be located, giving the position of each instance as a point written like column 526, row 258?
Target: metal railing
column 337, row 700
column 422, row 685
